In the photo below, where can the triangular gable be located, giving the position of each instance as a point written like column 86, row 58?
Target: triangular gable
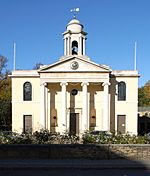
column 83, row 65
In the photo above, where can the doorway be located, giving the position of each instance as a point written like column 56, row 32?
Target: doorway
column 74, row 123
column 27, row 123
column 121, row 124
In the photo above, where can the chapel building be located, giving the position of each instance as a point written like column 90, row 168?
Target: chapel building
column 75, row 94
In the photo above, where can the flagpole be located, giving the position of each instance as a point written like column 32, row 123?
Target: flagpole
column 14, row 56
column 135, row 48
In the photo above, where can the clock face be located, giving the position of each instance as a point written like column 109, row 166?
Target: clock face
column 74, row 65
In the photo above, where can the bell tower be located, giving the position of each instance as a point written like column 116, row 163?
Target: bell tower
column 74, row 38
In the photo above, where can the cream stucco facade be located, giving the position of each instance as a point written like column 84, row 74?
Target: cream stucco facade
column 74, row 94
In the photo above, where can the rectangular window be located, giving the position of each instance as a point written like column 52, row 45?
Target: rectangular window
column 27, row 123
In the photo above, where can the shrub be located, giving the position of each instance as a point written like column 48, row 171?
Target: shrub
column 15, row 138
column 102, row 138
column 42, row 136
column 38, row 137
column 46, row 137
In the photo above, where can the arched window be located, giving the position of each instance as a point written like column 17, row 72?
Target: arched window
column 121, row 91
column 74, row 47
column 27, row 91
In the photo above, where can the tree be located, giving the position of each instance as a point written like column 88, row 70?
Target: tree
column 144, row 95
column 147, row 89
column 143, row 100
column 37, row 65
column 5, row 95
column 3, row 70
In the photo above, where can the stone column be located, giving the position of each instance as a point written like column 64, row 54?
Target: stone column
column 64, row 107
column 83, row 46
column 106, row 121
column 68, row 46
column 85, row 116
column 80, row 46
column 65, row 47
column 43, row 107
column 46, row 106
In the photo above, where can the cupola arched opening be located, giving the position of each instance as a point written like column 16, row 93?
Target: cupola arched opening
column 74, row 47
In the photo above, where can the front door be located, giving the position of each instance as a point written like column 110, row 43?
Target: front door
column 27, row 123
column 74, row 123
column 121, row 124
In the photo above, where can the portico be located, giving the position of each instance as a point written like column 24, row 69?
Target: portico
column 75, row 98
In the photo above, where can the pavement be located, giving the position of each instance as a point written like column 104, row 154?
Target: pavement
column 73, row 164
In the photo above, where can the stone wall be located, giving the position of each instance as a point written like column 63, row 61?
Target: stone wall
column 75, row 151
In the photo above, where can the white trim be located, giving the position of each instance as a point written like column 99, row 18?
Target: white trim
column 125, row 102
column 25, row 73
column 66, row 59
column 125, row 73
column 26, row 102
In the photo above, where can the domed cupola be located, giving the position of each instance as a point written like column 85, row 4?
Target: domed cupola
column 74, row 38
column 74, row 26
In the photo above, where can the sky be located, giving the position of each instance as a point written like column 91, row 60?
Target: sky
column 113, row 26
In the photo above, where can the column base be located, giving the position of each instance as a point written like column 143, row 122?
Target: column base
column 42, row 127
column 97, row 128
column 63, row 130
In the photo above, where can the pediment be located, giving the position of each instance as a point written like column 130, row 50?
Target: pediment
column 75, row 64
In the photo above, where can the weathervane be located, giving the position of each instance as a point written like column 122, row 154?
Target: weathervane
column 74, row 11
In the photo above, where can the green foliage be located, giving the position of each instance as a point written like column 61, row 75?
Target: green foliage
column 144, row 95
column 5, row 96
column 41, row 137
column 46, row 137
column 143, row 99
column 147, row 89
column 37, row 65
column 5, row 114
column 102, row 138
column 3, row 64
column 14, row 138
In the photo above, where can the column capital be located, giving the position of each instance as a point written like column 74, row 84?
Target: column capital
column 43, row 84
column 106, row 83
column 63, row 83
column 84, row 84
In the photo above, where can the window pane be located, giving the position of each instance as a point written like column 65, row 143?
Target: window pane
column 121, row 91
column 27, row 90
